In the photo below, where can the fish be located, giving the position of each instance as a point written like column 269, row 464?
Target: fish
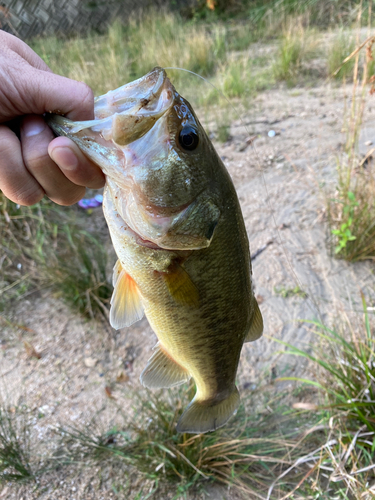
column 177, row 228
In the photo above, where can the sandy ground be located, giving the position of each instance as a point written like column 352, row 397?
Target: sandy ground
column 279, row 183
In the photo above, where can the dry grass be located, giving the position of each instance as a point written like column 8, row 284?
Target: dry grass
column 128, row 52
column 48, row 246
column 247, row 455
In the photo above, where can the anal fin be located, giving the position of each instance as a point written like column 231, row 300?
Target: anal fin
column 256, row 327
column 162, row 371
column 126, row 303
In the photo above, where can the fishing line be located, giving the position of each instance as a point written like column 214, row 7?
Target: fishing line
column 297, row 280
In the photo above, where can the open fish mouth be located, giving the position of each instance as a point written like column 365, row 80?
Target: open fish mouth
column 125, row 114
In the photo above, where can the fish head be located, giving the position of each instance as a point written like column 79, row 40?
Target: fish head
column 158, row 161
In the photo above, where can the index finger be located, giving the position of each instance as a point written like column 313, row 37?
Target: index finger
column 23, row 50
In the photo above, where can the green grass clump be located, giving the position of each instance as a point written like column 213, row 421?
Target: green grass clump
column 15, row 455
column 339, row 49
column 346, row 370
column 46, row 245
column 236, row 78
column 223, row 133
column 344, row 367
column 296, row 46
column 289, row 59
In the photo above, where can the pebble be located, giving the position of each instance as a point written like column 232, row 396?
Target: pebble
column 90, row 362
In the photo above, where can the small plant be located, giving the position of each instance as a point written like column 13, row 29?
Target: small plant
column 344, row 233
column 236, row 78
column 290, row 292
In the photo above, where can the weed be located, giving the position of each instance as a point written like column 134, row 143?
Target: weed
column 236, row 78
column 347, row 370
column 344, row 233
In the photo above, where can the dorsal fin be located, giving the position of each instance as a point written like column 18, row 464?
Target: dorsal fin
column 126, row 303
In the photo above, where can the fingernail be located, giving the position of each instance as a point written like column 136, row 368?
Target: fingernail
column 31, row 128
column 65, row 158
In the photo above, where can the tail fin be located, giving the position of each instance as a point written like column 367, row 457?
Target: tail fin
column 201, row 416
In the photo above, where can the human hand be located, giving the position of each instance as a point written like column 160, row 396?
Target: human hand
column 37, row 164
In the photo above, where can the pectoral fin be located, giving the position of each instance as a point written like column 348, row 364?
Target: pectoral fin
column 256, row 328
column 126, row 303
column 180, row 286
column 162, row 371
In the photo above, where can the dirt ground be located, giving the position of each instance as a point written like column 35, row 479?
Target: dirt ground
column 280, row 183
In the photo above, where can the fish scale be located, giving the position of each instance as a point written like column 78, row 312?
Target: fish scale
column 178, row 231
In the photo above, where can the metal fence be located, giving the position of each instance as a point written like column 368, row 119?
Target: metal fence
column 30, row 18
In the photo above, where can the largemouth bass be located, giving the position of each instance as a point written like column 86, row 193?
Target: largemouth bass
column 177, row 229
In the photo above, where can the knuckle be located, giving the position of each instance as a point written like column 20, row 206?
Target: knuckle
column 35, row 159
column 87, row 94
column 69, row 198
column 26, row 196
column 87, row 97
column 6, row 146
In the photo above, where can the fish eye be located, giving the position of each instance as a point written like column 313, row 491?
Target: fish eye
column 188, row 138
